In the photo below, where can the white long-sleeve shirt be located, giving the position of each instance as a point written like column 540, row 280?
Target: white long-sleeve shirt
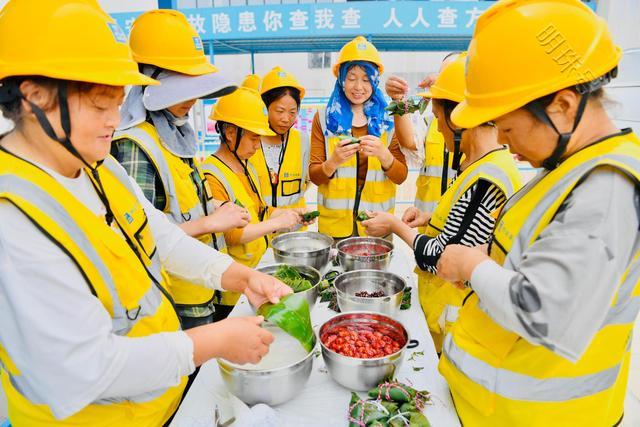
column 59, row 335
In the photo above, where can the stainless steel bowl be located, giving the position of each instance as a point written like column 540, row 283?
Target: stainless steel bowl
column 272, row 386
column 362, row 374
column 309, row 273
column 364, row 262
column 349, row 283
column 302, row 248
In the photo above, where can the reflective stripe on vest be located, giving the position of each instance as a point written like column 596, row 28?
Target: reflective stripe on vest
column 249, row 253
column 492, row 371
column 337, row 197
column 429, row 182
column 178, row 208
column 516, row 386
column 120, row 279
column 438, row 297
column 292, row 175
column 183, row 202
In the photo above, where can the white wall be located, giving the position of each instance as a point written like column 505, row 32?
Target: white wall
column 115, row 6
column 623, row 17
column 319, row 82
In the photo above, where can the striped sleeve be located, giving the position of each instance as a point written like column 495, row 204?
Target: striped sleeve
column 470, row 223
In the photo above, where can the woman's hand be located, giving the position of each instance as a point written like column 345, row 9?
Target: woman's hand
column 414, row 217
column 286, row 219
column 372, row 146
column 344, row 151
column 380, row 224
column 396, row 87
column 236, row 339
column 263, row 288
column 226, row 217
column 457, row 262
column 428, row 81
column 302, row 212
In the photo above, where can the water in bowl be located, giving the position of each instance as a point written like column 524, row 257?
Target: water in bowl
column 284, row 351
column 303, row 245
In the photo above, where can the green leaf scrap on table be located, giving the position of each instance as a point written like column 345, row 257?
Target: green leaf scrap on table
column 414, row 354
column 391, row 404
column 291, row 314
column 328, row 292
column 407, row 106
column 406, row 299
column 292, row 278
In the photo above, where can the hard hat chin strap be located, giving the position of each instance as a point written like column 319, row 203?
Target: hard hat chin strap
column 585, row 89
column 234, row 151
column 538, row 110
column 65, row 141
column 457, row 142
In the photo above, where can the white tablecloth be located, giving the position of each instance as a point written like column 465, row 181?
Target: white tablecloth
column 323, row 402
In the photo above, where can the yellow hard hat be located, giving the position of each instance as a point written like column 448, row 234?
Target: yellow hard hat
column 252, row 81
column 245, row 109
column 523, row 50
column 358, row 49
column 278, row 77
column 450, row 83
column 165, row 38
column 67, row 40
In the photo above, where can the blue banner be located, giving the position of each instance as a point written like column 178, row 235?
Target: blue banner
column 444, row 18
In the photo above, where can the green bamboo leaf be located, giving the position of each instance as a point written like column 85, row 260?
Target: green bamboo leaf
column 423, row 106
column 292, row 315
column 292, row 278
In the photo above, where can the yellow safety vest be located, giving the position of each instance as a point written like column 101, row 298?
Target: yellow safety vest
column 292, row 175
column 496, row 377
column 440, row 299
column 337, row 198
column 127, row 278
column 250, row 253
column 183, row 203
column 429, row 182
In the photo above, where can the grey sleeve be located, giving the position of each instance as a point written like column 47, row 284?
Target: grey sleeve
column 560, row 292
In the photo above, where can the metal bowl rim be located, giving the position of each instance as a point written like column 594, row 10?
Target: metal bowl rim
column 277, row 264
column 373, row 359
column 363, row 299
column 225, row 364
column 299, row 235
column 353, row 241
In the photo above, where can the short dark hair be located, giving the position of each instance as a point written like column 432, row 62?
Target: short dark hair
column 279, row 92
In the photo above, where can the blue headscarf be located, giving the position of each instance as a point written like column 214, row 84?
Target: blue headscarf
column 339, row 114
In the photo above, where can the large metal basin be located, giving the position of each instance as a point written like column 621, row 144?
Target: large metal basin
column 362, row 374
column 302, row 248
column 350, row 262
column 308, row 272
column 270, row 386
column 352, row 282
